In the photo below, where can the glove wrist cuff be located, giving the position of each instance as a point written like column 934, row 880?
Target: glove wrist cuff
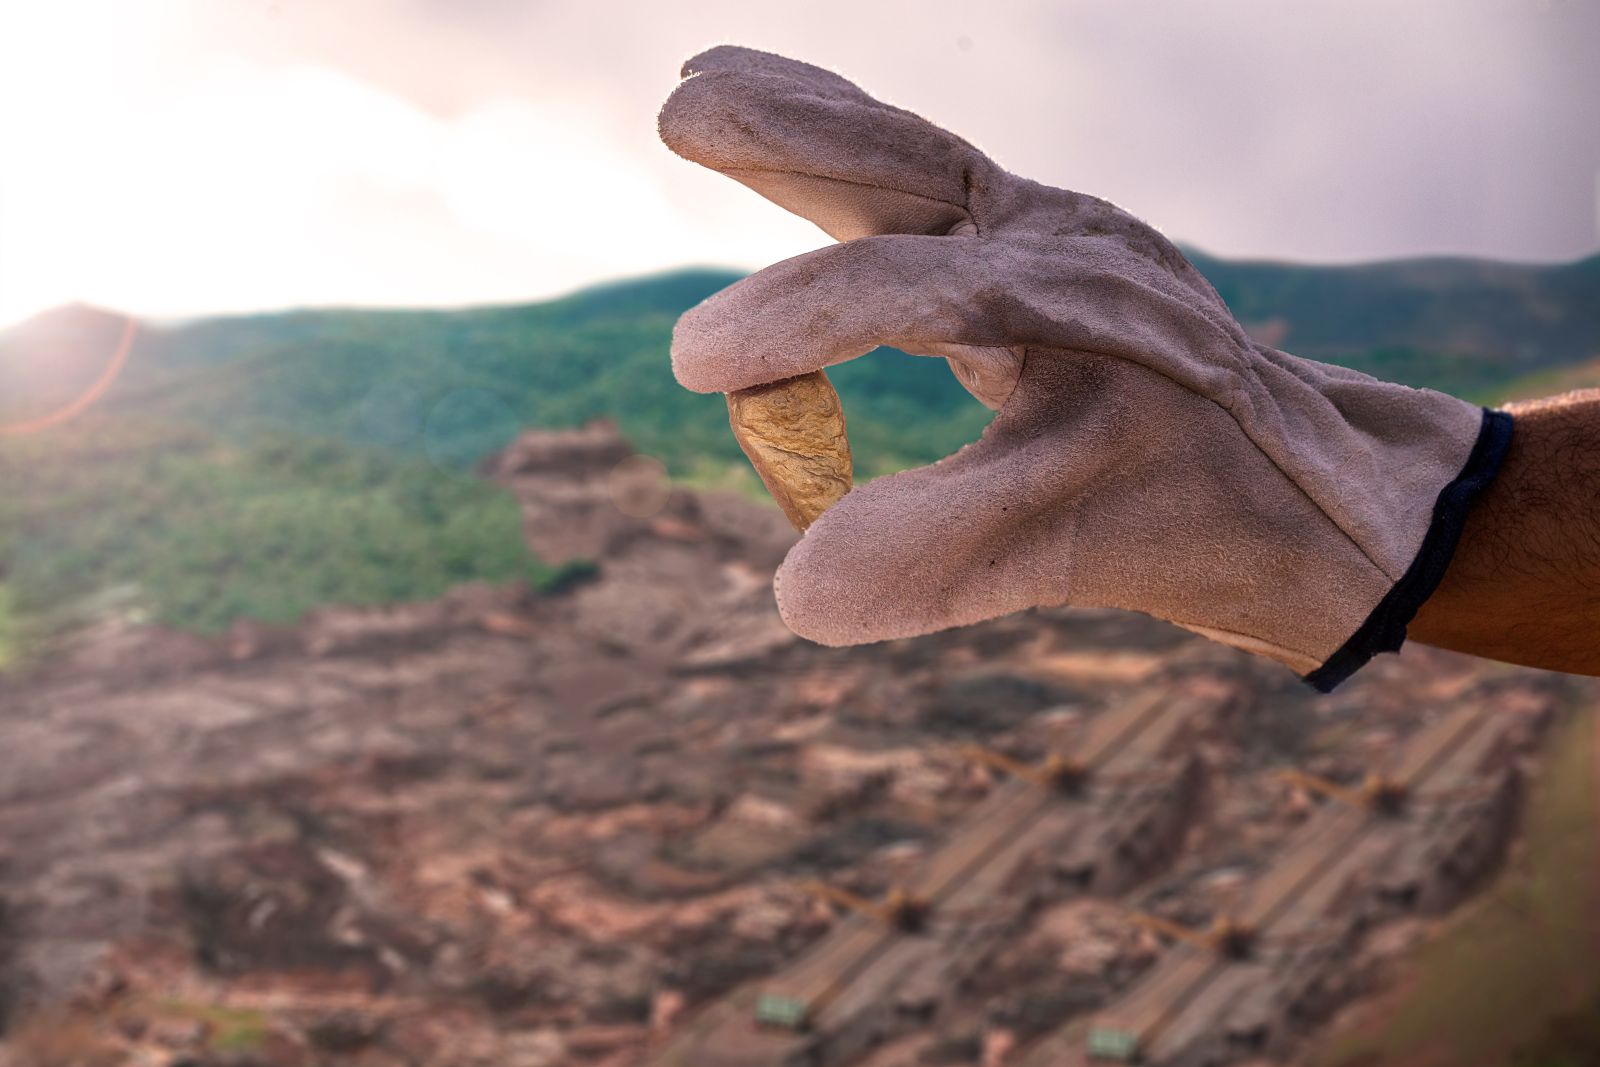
column 1385, row 628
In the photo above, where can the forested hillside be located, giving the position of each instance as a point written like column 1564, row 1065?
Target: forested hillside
column 259, row 465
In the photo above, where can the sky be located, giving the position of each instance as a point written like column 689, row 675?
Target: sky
column 186, row 157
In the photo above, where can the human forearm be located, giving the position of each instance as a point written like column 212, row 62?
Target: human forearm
column 1524, row 585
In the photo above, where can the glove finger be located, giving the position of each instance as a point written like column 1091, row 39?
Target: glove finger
column 1102, row 483
column 814, row 143
column 925, row 295
column 1068, row 497
column 977, row 301
column 981, row 533
column 819, row 80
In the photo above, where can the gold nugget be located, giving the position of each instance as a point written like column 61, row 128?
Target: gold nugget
column 793, row 432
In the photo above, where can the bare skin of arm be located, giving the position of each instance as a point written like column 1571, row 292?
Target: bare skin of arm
column 1524, row 586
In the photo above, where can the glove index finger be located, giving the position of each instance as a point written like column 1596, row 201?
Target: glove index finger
column 836, row 303
column 731, row 57
column 814, row 143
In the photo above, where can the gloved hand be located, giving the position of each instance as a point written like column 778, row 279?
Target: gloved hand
column 1146, row 453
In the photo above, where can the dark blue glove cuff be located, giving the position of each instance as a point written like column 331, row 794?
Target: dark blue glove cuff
column 1385, row 629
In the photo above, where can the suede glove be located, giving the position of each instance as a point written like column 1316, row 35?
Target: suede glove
column 1145, row 453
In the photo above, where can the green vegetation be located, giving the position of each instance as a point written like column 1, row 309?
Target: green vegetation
column 1551, row 382
column 1451, row 313
column 1570, row 1040
column 452, row 386
column 261, row 465
column 176, row 524
column 258, row 467
column 1514, row 981
column 1475, row 379
column 10, row 635
column 229, row 1029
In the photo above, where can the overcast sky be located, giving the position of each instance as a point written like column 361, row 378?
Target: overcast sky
column 176, row 157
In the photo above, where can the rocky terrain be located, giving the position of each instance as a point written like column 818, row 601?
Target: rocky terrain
column 522, row 831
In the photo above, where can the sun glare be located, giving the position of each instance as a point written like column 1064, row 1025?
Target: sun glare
column 82, row 402
column 155, row 171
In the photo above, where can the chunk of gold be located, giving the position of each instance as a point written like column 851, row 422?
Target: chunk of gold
column 793, row 432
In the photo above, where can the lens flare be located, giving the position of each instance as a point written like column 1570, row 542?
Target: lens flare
column 79, row 404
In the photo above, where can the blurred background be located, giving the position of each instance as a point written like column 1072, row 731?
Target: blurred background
column 388, row 671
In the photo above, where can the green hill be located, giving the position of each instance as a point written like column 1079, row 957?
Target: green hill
column 453, row 385
column 261, row 464
column 1501, row 313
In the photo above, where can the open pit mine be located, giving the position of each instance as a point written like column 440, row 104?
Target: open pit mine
column 633, row 820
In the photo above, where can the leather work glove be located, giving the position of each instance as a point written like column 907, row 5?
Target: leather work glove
column 1146, row 453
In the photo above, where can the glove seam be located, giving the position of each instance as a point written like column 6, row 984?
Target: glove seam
column 1235, row 394
column 1241, row 394
column 1239, row 363
column 1315, row 657
column 966, row 208
column 1205, row 626
column 1384, row 630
